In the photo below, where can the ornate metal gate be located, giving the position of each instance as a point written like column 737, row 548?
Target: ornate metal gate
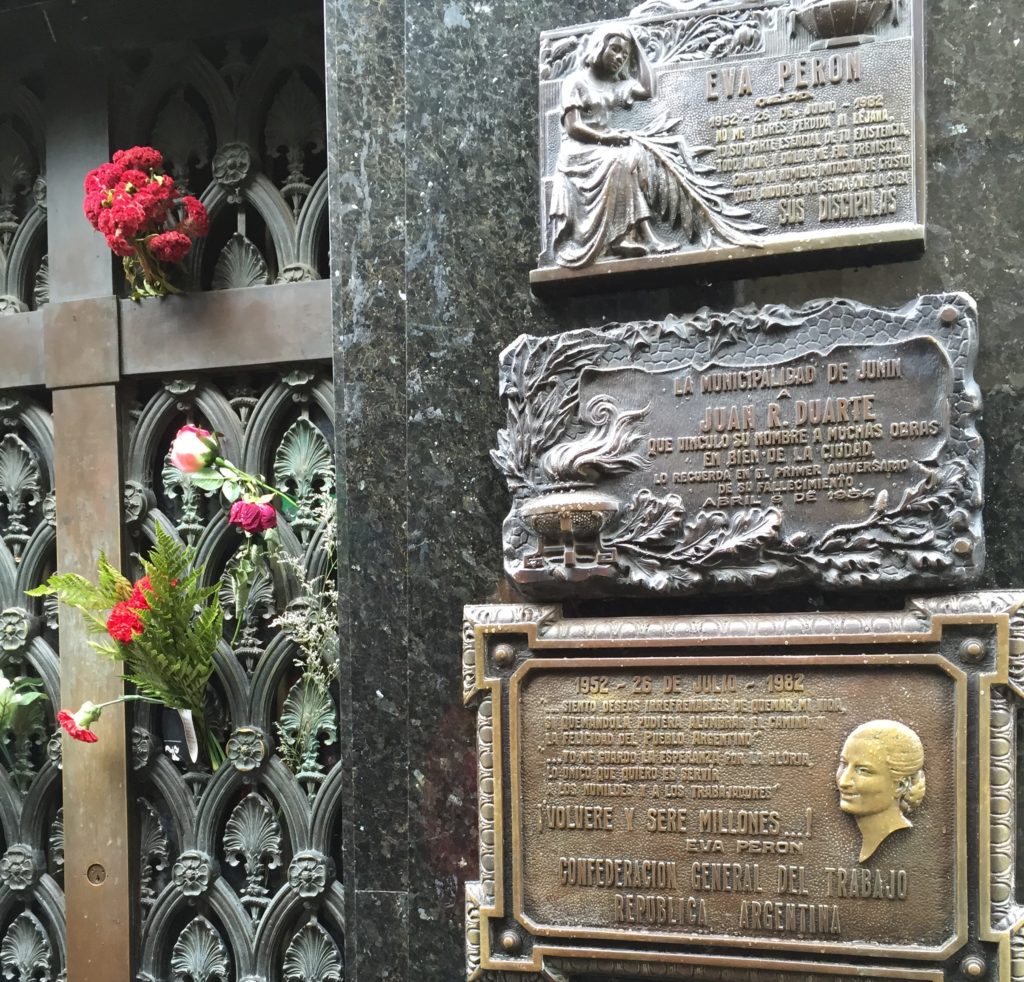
column 164, row 870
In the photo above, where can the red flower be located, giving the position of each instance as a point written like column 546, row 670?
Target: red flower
column 143, row 158
column 253, row 516
column 138, row 599
column 77, row 729
column 155, row 200
column 133, row 178
column 128, row 217
column 124, row 623
column 170, row 247
column 196, row 222
column 103, row 178
column 119, row 245
column 163, row 186
column 93, row 206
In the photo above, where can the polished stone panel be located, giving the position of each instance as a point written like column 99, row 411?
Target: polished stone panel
column 434, row 177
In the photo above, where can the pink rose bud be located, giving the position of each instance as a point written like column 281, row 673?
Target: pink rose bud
column 191, row 450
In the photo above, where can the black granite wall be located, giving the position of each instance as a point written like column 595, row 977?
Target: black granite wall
column 434, row 184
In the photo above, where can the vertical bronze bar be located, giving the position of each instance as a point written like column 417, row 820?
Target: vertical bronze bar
column 87, row 467
column 96, row 849
column 77, row 141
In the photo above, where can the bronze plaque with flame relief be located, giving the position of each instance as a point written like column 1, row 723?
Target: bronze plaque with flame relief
column 833, row 443
column 801, row 788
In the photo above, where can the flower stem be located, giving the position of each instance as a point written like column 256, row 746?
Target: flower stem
column 209, row 741
column 221, row 462
column 127, row 698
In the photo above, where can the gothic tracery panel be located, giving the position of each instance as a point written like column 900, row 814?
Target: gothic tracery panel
column 32, row 944
column 242, row 125
column 239, row 867
column 24, row 271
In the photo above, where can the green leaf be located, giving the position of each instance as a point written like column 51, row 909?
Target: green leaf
column 113, row 586
column 231, row 490
column 207, row 479
column 71, row 589
column 172, row 660
column 109, row 649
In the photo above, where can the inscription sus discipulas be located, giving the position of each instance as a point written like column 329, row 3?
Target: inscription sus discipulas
column 834, row 443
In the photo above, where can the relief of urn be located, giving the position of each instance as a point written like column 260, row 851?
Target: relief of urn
column 842, row 21
column 569, row 523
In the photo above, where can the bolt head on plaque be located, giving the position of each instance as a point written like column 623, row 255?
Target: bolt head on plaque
column 833, row 444
column 694, row 133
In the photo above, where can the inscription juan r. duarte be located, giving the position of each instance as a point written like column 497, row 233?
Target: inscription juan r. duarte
column 834, row 443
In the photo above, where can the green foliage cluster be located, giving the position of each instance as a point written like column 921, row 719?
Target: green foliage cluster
column 171, row 661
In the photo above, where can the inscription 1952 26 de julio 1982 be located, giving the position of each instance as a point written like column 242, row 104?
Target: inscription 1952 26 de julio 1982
column 699, row 131
column 834, row 444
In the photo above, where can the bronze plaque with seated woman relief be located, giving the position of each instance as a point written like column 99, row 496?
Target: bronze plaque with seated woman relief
column 696, row 132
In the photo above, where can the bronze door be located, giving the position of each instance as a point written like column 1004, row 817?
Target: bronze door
column 120, row 861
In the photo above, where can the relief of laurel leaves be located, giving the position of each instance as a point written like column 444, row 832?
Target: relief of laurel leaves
column 656, row 555
column 540, row 381
column 918, row 528
column 716, row 537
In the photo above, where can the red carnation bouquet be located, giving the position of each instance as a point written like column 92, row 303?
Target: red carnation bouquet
column 144, row 220
column 164, row 629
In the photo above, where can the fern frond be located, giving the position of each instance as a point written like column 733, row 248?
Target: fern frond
column 71, row 589
column 172, row 660
column 113, row 585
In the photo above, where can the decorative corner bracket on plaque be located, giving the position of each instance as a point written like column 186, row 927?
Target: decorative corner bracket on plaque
column 787, row 793
column 833, row 444
column 693, row 133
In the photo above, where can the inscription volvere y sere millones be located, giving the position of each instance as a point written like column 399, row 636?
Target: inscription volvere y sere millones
column 780, row 804
column 834, row 443
column 687, row 133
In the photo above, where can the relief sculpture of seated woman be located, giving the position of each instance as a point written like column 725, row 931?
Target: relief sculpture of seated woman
column 612, row 184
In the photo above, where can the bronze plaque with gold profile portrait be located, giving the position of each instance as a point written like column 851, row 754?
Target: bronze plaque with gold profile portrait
column 794, row 794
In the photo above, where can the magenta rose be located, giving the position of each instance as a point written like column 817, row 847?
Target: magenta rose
column 253, row 516
column 191, row 450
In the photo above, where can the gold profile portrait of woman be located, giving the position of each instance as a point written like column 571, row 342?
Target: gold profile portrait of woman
column 880, row 780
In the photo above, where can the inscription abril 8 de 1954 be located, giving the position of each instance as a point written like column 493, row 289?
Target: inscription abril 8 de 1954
column 795, row 434
column 803, row 805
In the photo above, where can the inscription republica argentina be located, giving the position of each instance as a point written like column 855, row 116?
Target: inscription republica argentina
column 691, row 133
column 780, row 803
column 834, row 443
